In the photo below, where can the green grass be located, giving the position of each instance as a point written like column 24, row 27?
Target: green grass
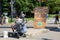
column 9, row 20
column 28, row 19
column 51, row 15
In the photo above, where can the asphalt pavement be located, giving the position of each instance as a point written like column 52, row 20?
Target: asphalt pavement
column 52, row 31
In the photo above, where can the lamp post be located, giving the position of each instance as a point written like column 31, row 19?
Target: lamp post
column 1, row 6
column 12, row 9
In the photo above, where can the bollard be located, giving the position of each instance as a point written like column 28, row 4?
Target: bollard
column 6, row 20
column 5, row 34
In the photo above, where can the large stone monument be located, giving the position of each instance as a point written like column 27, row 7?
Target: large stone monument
column 40, row 14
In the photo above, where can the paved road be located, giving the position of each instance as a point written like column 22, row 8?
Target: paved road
column 36, row 34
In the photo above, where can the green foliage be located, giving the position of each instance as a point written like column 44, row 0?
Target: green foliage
column 29, row 5
column 6, row 6
column 54, row 6
column 26, row 5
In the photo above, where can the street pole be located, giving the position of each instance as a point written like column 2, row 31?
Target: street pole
column 12, row 10
column 1, row 9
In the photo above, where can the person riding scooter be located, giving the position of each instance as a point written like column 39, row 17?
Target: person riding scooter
column 19, row 26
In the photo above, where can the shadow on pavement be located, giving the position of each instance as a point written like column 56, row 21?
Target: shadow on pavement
column 53, row 23
column 5, row 27
column 10, row 27
column 1, row 36
column 53, row 29
column 30, row 27
column 46, row 39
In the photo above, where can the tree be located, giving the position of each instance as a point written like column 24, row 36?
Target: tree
column 54, row 6
column 29, row 5
column 26, row 5
column 6, row 6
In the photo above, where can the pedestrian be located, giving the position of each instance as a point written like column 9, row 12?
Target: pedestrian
column 46, row 15
column 56, row 19
column 2, row 19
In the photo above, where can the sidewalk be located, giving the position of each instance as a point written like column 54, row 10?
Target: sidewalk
column 51, row 33
column 37, row 34
column 50, row 22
